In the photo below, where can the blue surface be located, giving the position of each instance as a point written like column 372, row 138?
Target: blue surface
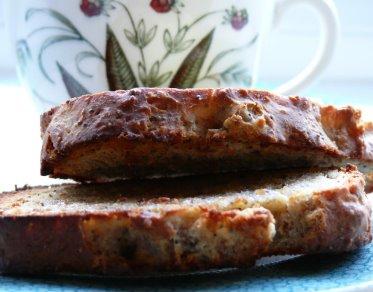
column 299, row 274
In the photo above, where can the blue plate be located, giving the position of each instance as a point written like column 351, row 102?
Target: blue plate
column 307, row 273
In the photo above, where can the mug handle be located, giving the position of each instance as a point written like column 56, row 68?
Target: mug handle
column 329, row 37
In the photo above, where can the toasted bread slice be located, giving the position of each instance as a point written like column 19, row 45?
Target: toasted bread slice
column 369, row 182
column 368, row 129
column 141, row 227
column 166, row 132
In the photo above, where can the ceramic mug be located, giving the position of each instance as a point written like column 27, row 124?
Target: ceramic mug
column 73, row 47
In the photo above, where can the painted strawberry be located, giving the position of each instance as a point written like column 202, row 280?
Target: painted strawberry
column 92, row 7
column 237, row 18
column 162, row 6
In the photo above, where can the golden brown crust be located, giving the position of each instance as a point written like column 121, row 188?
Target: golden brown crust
column 333, row 220
column 133, row 244
column 369, row 183
column 144, row 132
column 142, row 227
column 368, row 137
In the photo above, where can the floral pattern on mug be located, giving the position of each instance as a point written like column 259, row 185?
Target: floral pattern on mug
column 237, row 18
column 149, row 70
column 92, row 7
column 96, row 7
column 162, row 6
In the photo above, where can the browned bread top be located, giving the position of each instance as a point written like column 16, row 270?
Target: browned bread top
column 147, row 131
column 181, row 224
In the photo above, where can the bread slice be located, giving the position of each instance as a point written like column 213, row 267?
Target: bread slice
column 368, row 130
column 166, row 132
column 142, row 227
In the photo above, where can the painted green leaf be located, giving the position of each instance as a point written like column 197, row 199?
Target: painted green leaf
column 219, row 57
column 150, row 35
column 236, row 74
column 167, row 40
column 142, row 74
column 62, row 19
column 227, row 74
column 23, row 54
column 118, row 70
column 214, row 78
column 180, row 34
column 141, row 33
column 154, row 70
column 24, row 47
column 80, row 57
column 49, row 42
column 183, row 46
column 73, row 87
column 46, row 28
column 222, row 54
column 142, row 37
column 131, row 37
column 163, row 78
column 188, row 72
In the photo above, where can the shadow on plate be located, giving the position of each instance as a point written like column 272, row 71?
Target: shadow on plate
column 296, row 268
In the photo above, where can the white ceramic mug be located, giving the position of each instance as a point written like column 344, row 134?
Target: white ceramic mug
column 72, row 47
